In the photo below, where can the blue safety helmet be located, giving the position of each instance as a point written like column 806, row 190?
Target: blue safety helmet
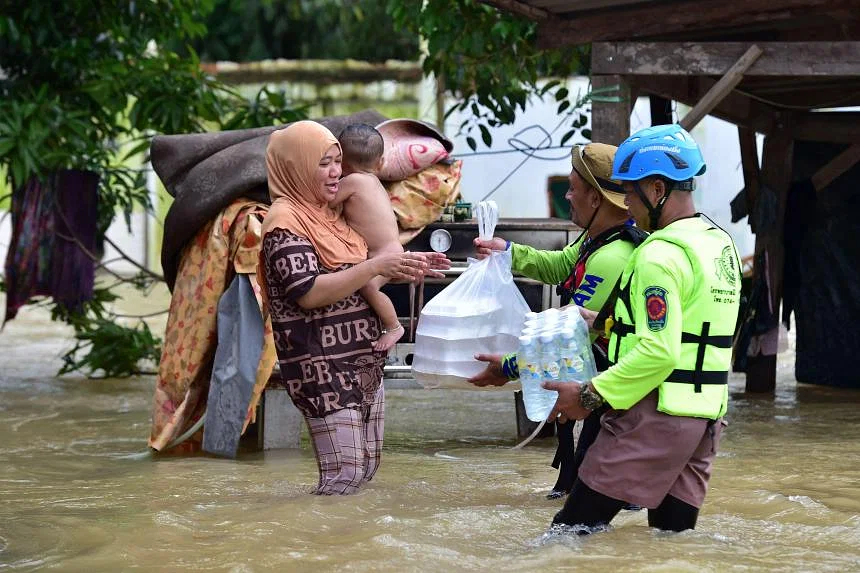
column 664, row 150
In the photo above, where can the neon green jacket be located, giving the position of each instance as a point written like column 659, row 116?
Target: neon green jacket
column 681, row 279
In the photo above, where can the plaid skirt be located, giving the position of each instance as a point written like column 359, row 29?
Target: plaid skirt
column 348, row 446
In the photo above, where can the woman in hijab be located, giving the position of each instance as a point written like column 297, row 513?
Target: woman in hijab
column 312, row 266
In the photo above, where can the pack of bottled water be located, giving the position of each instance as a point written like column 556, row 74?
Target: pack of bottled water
column 554, row 346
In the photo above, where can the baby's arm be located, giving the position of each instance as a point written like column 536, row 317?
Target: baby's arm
column 346, row 188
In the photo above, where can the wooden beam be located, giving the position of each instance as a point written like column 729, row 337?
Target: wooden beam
column 777, row 159
column 836, row 167
column 830, row 93
column 721, row 89
column 320, row 72
column 833, row 126
column 610, row 121
column 741, row 110
column 521, row 8
column 650, row 22
column 716, row 58
column 735, row 107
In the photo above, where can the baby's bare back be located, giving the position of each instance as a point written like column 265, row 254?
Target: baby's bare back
column 367, row 209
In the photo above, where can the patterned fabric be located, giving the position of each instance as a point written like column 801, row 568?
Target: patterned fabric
column 229, row 244
column 348, row 447
column 326, row 356
column 420, row 199
column 53, row 239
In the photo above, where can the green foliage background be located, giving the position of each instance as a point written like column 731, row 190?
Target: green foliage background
column 252, row 30
column 81, row 81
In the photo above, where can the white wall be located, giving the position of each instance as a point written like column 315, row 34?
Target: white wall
column 523, row 194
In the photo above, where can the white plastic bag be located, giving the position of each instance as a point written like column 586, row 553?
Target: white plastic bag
column 482, row 311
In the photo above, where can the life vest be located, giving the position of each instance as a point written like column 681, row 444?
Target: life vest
column 626, row 232
column 698, row 387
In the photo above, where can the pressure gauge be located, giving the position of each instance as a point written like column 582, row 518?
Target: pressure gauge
column 440, row 240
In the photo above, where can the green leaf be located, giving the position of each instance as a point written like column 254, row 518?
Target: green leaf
column 563, row 106
column 586, row 133
column 470, row 141
column 141, row 147
column 561, row 94
column 485, row 135
column 548, row 86
column 566, row 137
column 7, row 144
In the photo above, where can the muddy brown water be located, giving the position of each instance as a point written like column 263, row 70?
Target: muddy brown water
column 77, row 494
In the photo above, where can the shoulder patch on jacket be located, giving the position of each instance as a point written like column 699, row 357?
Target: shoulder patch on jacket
column 656, row 307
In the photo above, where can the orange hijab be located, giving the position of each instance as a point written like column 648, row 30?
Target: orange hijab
column 292, row 162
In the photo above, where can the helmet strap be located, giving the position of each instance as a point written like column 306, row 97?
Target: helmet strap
column 594, row 215
column 658, row 209
column 654, row 211
column 587, row 225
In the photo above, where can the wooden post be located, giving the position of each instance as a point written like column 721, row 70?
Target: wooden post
column 661, row 110
column 610, row 121
column 776, row 175
column 440, row 103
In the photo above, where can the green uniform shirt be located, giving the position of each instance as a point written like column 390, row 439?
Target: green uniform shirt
column 602, row 268
column 662, row 288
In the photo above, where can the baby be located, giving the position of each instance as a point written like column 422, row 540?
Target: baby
column 367, row 209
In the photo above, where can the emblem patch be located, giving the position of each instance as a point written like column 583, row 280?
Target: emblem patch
column 726, row 266
column 656, row 307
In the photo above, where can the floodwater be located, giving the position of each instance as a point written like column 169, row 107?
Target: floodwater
column 76, row 494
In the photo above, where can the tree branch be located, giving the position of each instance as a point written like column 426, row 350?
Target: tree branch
column 143, row 269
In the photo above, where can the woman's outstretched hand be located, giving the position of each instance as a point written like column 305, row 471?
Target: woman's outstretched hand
column 436, row 262
column 484, row 249
column 408, row 267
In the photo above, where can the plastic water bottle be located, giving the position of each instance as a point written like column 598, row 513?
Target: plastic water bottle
column 549, row 357
column 570, row 353
column 538, row 402
column 528, row 361
column 575, row 322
